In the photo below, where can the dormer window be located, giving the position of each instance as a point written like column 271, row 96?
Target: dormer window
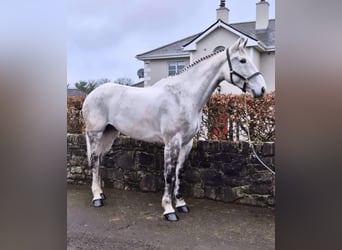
column 218, row 48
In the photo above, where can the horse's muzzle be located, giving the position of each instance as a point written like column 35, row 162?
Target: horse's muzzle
column 263, row 90
column 259, row 95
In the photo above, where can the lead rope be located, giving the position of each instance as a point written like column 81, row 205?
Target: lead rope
column 250, row 141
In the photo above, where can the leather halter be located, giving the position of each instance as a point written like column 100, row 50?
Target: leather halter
column 233, row 72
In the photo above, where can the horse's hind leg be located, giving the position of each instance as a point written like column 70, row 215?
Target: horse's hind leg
column 94, row 153
column 106, row 142
column 183, row 155
column 98, row 143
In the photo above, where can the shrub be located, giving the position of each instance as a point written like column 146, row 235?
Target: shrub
column 75, row 124
column 224, row 117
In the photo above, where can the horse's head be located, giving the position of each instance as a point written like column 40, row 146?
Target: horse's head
column 242, row 72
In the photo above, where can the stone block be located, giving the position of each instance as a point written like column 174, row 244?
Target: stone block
column 210, row 192
column 268, row 149
column 213, row 146
column 245, row 148
column 124, row 160
column 78, row 170
column 149, row 183
column 221, row 156
column 132, row 177
column 145, row 159
column 227, row 194
column 231, row 147
column 260, row 189
column 108, row 161
column 198, row 191
column 211, row 177
column 204, row 164
column 191, row 175
column 232, row 169
column 118, row 184
column 239, row 192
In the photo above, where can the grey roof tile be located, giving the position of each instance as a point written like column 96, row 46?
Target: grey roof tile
column 267, row 36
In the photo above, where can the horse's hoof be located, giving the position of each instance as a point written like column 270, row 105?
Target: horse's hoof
column 98, row 203
column 103, row 196
column 171, row 217
column 183, row 209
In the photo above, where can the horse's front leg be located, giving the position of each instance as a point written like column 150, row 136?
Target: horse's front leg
column 171, row 154
column 183, row 155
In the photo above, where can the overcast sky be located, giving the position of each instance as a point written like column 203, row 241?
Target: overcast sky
column 103, row 37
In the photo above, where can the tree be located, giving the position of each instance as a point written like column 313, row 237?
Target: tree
column 124, row 81
column 86, row 87
column 102, row 81
column 90, row 85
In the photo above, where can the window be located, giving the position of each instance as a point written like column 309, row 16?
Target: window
column 175, row 67
column 218, row 48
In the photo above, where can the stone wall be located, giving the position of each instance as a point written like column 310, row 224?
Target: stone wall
column 218, row 170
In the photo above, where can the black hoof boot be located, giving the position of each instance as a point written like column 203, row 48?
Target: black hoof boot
column 98, row 203
column 103, row 196
column 183, row 209
column 171, row 217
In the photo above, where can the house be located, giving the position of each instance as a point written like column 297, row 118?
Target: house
column 139, row 84
column 75, row 92
column 171, row 58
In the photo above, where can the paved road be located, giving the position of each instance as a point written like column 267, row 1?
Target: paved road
column 133, row 220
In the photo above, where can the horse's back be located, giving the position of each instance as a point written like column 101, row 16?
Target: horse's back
column 113, row 103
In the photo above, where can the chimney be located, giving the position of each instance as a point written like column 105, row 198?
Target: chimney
column 262, row 15
column 222, row 12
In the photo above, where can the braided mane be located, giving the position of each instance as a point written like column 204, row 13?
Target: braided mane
column 198, row 61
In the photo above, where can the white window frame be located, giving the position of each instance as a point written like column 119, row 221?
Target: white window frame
column 179, row 65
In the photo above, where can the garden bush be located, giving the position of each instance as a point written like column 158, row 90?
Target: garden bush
column 75, row 124
column 224, row 117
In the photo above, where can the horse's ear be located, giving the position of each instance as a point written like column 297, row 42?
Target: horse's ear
column 237, row 43
column 245, row 43
column 242, row 42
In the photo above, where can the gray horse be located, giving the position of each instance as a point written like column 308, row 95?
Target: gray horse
column 168, row 112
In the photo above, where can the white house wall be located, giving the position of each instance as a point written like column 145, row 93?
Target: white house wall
column 155, row 70
column 254, row 55
column 219, row 37
column 267, row 68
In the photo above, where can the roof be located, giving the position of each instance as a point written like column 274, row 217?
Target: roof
column 76, row 92
column 218, row 24
column 267, row 36
column 175, row 50
column 138, row 84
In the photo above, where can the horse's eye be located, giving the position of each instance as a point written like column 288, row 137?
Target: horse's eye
column 243, row 60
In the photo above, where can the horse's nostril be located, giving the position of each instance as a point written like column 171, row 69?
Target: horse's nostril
column 263, row 90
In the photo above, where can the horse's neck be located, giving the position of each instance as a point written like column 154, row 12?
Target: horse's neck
column 201, row 80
